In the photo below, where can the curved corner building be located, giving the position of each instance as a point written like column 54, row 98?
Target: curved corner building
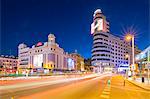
column 101, row 54
column 109, row 51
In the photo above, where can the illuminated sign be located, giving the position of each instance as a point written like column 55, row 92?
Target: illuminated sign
column 97, row 26
column 39, row 44
column 70, row 63
column 38, row 61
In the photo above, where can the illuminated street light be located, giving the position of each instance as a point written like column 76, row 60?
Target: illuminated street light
column 129, row 38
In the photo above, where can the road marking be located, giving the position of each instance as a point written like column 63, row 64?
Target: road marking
column 105, row 96
column 106, row 92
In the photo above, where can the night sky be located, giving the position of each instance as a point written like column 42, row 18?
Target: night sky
column 30, row 21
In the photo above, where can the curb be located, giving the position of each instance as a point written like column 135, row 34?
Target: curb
column 134, row 83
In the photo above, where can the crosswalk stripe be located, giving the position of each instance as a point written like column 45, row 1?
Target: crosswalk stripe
column 105, row 92
column 107, row 88
column 105, row 96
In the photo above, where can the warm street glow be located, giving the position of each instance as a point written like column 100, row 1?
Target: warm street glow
column 128, row 37
column 75, row 49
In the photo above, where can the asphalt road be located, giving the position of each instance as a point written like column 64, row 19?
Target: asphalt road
column 94, row 88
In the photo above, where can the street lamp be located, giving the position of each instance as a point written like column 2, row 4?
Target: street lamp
column 130, row 37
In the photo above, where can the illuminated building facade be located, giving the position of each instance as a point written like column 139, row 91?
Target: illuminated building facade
column 143, row 59
column 108, row 51
column 8, row 64
column 43, row 57
column 79, row 61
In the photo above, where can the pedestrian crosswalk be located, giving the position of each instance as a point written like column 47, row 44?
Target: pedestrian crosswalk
column 106, row 92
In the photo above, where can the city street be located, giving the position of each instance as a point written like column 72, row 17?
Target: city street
column 75, row 49
column 92, row 88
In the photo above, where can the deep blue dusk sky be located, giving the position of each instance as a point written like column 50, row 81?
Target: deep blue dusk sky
column 30, row 21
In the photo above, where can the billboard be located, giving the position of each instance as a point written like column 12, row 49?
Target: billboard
column 70, row 63
column 97, row 25
column 38, row 61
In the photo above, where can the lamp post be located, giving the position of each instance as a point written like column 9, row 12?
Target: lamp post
column 130, row 37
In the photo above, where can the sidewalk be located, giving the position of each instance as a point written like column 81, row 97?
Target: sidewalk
column 137, row 82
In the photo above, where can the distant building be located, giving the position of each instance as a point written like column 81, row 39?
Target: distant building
column 79, row 61
column 8, row 64
column 43, row 57
column 88, row 65
column 143, row 59
column 108, row 51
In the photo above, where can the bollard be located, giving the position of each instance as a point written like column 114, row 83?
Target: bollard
column 142, row 79
column 108, row 82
